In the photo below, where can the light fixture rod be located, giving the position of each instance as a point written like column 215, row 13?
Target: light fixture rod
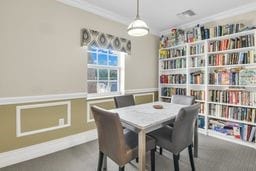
column 137, row 16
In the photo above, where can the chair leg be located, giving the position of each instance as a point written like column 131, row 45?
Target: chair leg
column 191, row 157
column 100, row 161
column 152, row 155
column 121, row 168
column 176, row 161
column 137, row 159
column 160, row 150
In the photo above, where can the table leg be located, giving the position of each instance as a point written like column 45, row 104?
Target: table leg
column 142, row 150
column 105, row 163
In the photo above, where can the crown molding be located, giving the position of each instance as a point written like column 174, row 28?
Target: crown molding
column 222, row 15
column 95, row 10
column 102, row 12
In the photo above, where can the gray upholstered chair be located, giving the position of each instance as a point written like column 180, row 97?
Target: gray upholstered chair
column 186, row 100
column 175, row 139
column 114, row 143
column 124, row 101
column 181, row 99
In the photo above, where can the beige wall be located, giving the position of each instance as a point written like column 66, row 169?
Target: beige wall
column 41, row 54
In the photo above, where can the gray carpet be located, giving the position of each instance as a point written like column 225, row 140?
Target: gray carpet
column 214, row 155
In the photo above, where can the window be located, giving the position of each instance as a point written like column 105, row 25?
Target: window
column 105, row 72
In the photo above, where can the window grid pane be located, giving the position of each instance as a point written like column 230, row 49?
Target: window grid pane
column 107, row 67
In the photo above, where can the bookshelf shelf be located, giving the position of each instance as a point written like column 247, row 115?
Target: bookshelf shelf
column 200, row 101
column 233, row 35
column 196, row 55
column 238, row 86
column 173, row 47
column 230, row 104
column 232, row 120
column 173, row 58
column 233, row 50
column 202, row 131
column 232, row 66
column 175, row 69
column 195, row 68
column 197, row 85
column 230, row 138
column 173, row 84
column 206, row 63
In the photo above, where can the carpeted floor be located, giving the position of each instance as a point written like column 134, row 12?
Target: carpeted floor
column 214, row 155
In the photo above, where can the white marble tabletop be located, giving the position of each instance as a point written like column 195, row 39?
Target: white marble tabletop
column 145, row 116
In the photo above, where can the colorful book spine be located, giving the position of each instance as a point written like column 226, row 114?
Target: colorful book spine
column 174, row 64
column 198, row 94
column 173, row 79
column 233, row 96
column 247, row 57
column 169, row 91
column 232, row 43
column 232, row 112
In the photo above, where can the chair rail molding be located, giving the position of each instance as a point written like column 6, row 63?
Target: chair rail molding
column 41, row 98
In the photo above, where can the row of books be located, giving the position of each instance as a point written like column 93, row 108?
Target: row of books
column 173, row 79
column 197, row 77
column 174, row 64
column 232, row 112
column 201, row 110
column 172, row 53
column 201, row 122
column 198, row 94
column 169, row 91
column 233, row 96
column 197, row 61
column 232, row 43
column 175, row 37
column 201, row 33
column 247, row 57
column 240, row 131
column 196, row 49
column 224, row 77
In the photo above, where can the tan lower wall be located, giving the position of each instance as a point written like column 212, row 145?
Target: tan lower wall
column 45, row 117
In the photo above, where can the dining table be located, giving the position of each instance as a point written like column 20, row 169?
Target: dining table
column 145, row 118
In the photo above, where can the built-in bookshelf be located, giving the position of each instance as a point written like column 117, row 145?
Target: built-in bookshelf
column 221, row 73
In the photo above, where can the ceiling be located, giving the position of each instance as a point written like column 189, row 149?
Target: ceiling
column 160, row 14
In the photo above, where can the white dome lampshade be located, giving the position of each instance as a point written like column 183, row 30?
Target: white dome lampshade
column 138, row 27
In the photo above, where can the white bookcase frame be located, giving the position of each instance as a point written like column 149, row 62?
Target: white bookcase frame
column 206, row 85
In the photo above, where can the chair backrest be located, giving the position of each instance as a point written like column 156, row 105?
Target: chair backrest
column 124, row 101
column 183, row 127
column 184, row 100
column 110, row 134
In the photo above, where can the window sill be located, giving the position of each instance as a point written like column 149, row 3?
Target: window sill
column 103, row 96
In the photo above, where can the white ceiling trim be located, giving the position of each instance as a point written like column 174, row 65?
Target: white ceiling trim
column 96, row 10
column 101, row 12
column 226, row 14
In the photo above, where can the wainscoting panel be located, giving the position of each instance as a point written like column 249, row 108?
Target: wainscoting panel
column 37, row 118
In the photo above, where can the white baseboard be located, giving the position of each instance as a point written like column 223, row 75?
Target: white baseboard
column 38, row 150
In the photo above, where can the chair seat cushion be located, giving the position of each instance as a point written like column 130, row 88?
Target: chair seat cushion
column 131, row 139
column 163, row 137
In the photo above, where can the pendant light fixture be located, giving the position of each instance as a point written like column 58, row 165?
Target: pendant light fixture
column 138, row 27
